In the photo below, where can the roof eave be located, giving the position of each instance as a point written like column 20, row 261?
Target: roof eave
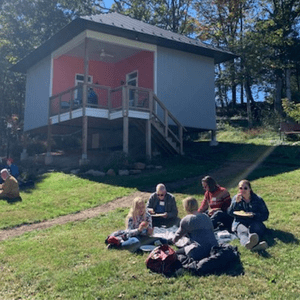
column 78, row 25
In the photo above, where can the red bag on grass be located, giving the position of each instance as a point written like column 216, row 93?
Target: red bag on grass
column 161, row 260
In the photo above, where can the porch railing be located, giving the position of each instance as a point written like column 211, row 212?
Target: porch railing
column 123, row 98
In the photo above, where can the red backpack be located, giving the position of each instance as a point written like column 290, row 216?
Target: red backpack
column 161, row 260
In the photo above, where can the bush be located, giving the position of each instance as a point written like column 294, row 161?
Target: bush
column 118, row 160
column 36, row 147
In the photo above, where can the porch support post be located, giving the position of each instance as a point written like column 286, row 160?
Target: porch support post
column 125, row 134
column 125, row 119
column 48, row 157
column 84, row 101
column 213, row 141
column 148, row 128
column 24, row 154
column 181, row 139
column 148, row 139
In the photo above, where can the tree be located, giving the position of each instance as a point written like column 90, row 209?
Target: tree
column 25, row 25
column 173, row 15
column 278, row 31
column 223, row 23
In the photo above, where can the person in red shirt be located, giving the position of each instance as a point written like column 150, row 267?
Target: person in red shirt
column 215, row 203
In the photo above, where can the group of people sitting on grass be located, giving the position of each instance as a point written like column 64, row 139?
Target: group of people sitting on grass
column 243, row 215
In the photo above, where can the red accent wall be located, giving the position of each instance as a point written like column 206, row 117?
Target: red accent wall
column 107, row 74
column 143, row 62
column 65, row 68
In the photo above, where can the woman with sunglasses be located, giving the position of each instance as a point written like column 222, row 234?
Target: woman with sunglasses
column 249, row 211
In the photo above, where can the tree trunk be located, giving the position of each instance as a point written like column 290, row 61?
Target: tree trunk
column 288, row 84
column 242, row 94
column 249, row 101
column 233, row 84
column 277, row 100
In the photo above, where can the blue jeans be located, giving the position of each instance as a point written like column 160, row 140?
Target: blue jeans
column 243, row 231
column 132, row 244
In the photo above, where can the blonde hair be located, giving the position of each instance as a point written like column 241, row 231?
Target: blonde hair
column 190, row 204
column 133, row 210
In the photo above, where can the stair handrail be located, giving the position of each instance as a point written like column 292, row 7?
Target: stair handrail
column 181, row 128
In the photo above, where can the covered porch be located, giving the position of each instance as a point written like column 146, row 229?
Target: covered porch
column 122, row 111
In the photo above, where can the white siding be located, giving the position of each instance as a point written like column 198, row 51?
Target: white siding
column 185, row 84
column 37, row 95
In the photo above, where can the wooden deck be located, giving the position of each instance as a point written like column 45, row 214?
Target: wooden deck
column 124, row 102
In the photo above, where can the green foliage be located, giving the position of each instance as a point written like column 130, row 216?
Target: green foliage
column 259, row 135
column 173, row 15
column 292, row 109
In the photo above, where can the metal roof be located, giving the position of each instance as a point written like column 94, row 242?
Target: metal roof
column 124, row 26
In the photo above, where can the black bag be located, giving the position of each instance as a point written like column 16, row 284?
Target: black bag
column 161, row 260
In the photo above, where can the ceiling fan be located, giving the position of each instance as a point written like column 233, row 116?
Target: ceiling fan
column 104, row 54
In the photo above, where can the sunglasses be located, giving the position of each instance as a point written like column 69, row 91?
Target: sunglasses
column 243, row 188
column 160, row 195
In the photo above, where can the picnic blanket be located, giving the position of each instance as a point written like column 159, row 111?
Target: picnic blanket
column 222, row 237
column 221, row 257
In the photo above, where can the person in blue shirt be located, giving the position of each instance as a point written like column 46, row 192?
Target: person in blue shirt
column 249, row 211
column 13, row 169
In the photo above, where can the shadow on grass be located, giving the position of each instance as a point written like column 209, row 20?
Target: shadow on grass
column 201, row 159
column 274, row 234
column 286, row 237
column 13, row 200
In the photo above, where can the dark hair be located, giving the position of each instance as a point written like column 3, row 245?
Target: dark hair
column 247, row 182
column 212, row 184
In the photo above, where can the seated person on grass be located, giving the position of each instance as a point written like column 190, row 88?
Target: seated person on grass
column 13, row 168
column 139, row 228
column 249, row 211
column 215, row 203
column 9, row 190
column 162, row 206
column 198, row 228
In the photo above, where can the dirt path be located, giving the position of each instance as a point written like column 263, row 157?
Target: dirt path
column 223, row 172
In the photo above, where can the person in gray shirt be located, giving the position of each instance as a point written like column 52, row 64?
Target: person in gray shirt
column 198, row 228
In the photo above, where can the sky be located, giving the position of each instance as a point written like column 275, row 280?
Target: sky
column 108, row 3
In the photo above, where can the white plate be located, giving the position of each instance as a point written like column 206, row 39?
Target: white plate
column 147, row 248
column 242, row 213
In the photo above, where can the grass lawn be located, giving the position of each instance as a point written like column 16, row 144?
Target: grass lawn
column 71, row 261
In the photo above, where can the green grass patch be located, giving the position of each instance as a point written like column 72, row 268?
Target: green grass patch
column 58, row 194
column 71, row 261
